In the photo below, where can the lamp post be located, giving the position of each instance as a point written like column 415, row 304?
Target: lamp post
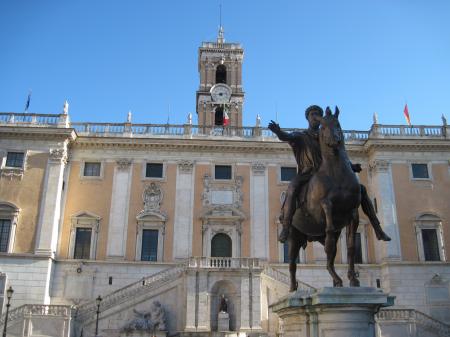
column 98, row 300
column 9, row 294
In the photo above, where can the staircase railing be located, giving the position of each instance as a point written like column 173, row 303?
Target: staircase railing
column 28, row 310
column 121, row 295
column 283, row 278
column 415, row 317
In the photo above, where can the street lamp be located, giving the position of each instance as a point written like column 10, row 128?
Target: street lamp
column 98, row 300
column 9, row 294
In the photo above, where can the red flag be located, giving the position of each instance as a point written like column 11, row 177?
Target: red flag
column 226, row 119
column 406, row 113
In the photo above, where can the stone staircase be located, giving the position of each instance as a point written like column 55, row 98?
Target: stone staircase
column 409, row 323
column 285, row 279
column 87, row 311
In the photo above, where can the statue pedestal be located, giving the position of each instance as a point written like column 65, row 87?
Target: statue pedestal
column 331, row 312
column 223, row 321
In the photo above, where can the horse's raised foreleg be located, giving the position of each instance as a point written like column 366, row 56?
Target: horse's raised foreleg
column 294, row 244
column 351, row 236
column 330, row 242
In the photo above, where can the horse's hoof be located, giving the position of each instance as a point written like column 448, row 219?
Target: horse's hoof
column 337, row 284
column 354, row 283
column 293, row 287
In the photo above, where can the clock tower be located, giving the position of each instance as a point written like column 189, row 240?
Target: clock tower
column 220, row 97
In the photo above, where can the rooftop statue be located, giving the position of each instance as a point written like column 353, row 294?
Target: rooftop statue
column 324, row 196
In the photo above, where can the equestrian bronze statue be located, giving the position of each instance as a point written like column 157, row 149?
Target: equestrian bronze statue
column 324, row 196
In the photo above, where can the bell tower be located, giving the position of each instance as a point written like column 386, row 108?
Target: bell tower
column 220, row 97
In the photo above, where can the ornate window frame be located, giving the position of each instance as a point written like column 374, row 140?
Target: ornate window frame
column 362, row 229
column 10, row 212
column 155, row 221
column 102, row 169
column 10, row 172
column 429, row 221
column 84, row 219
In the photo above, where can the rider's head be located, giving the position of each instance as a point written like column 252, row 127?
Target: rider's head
column 311, row 113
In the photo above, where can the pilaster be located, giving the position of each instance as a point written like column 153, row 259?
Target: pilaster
column 383, row 189
column 259, row 205
column 50, row 208
column 184, row 205
column 118, row 215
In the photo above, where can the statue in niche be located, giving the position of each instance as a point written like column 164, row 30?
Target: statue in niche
column 223, row 304
column 153, row 320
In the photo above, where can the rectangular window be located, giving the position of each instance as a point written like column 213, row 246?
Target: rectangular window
column 358, row 248
column 5, row 230
column 420, row 171
column 92, row 169
column 83, row 244
column 430, row 244
column 222, row 172
column 287, row 173
column 154, row 170
column 14, row 159
column 149, row 250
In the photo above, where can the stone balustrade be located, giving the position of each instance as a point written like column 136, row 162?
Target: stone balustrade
column 409, row 322
column 224, row 263
column 196, row 131
column 283, row 278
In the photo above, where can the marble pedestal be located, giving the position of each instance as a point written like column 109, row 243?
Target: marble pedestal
column 223, row 321
column 331, row 312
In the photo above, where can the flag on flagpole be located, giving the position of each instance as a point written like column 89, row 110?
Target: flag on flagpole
column 406, row 113
column 27, row 105
column 226, row 118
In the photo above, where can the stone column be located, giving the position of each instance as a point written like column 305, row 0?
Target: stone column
column 383, row 189
column 259, row 212
column 204, row 305
column 118, row 215
column 50, row 208
column 184, row 206
column 192, row 301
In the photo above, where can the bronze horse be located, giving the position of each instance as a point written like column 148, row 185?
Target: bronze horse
column 333, row 197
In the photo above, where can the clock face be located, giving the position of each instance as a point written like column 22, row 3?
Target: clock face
column 221, row 93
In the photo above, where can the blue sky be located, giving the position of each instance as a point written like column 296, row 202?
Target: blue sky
column 108, row 57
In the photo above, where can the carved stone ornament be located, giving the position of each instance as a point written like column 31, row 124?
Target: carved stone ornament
column 152, row 198
column 186, row 166
column 378, row 165
column 214, row 192
column 123, row 164
column 258, row 168
column 58, row 155
column 153, row 320
column 10, row 173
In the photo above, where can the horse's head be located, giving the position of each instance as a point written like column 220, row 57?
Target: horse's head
column 330, row 130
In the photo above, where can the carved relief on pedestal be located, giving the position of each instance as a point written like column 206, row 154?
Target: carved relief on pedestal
column 151, row 321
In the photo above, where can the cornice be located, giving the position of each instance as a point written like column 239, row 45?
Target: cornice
column 38, row 133
column 401, row 145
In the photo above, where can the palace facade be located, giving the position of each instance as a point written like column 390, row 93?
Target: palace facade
column 183, row 214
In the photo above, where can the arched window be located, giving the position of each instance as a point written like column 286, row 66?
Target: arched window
column 218, row 118
column 221, row 74
column 221, row 245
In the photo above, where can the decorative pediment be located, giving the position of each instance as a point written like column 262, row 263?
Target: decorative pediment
column 86, row 215
column 223, row 213
column 149, row 216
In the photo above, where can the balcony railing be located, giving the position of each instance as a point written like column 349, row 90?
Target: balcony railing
column 189, row 131
column 224, row 262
